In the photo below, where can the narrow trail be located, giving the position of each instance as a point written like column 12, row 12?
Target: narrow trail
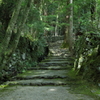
column 47, row 81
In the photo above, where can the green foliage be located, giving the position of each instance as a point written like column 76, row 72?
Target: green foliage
column 85, row 15
column 87, row 56
column 65, row 45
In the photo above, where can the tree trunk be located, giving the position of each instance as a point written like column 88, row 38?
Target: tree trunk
column 20, row 27
column 66, row 34
column 69, row 28
column 70, row 33
column 93, row 9
column 6, row 40
column 5, row 43
column 56, row 26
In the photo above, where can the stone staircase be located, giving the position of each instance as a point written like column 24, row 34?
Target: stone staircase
column 48, row 81
column 50, row 72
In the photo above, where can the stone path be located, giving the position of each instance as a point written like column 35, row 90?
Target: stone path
column 47, row 81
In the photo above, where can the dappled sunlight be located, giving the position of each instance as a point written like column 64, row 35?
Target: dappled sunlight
column 43, row 93
column 29, row 72
column 34, row 73
column 52, row 90
column 56, row 50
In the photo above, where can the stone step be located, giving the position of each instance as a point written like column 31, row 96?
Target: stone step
column 58, row 57
column 38, row 82
column 47, row 65
column 53, row 63
column 40, row 77
column 50, row 68
column 44, row 82
column 55, row 60
column 46, row 74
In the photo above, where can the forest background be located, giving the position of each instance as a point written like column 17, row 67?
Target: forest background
column 27, row 26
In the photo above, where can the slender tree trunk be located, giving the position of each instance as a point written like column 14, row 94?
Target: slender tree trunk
column 69, row 28
column 66, row 35
column 70, row 33
column 5, row 43
column 6, row 40
column 93, row 9
column 56, row 26
column 21, row 25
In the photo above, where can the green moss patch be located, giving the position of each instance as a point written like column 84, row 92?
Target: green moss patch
column 65, row 45
column 80, row 86
column 27, row 73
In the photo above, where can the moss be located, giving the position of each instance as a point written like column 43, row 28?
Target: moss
column 3, row 86
column 72, row 74
column 84, row 88
column 80, row 86
column 65, row 45
column 30, row 72
column 7, row 88
column 90, row 69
